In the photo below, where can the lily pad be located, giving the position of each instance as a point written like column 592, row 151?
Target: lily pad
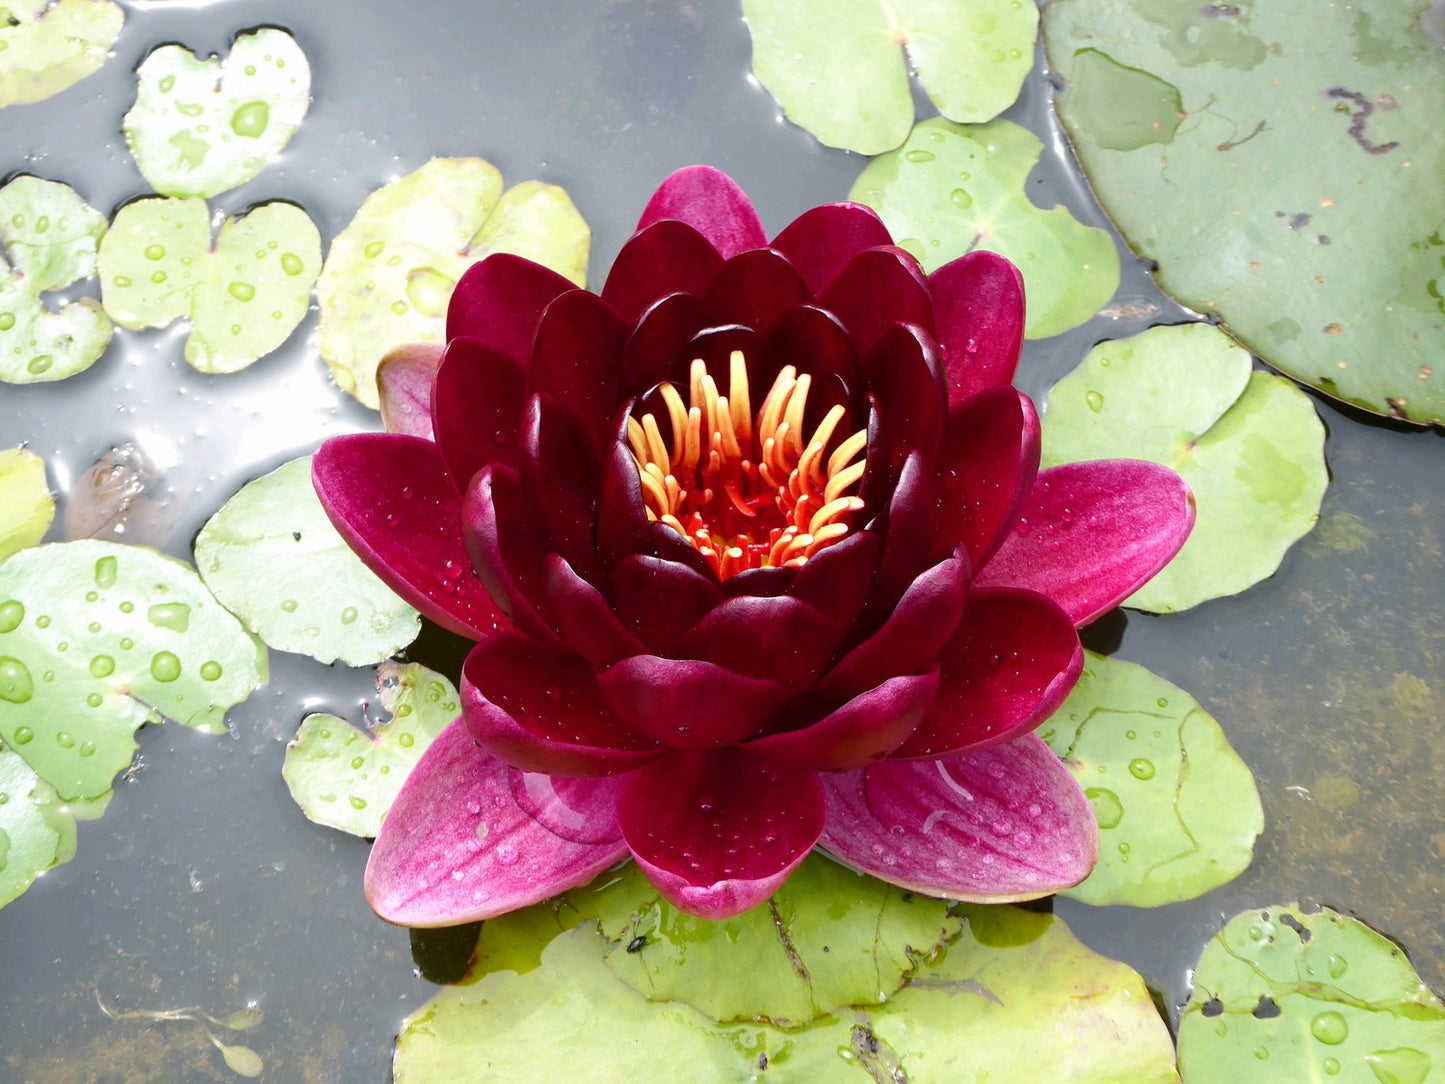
column 199, row 127
column 243, row 299
column 1249, row 444
column 26, row 505
column 1289, row 994
column 275, row 561
column 37, row 833
column 1178, row 810
column 952, row 189
column 45, row 47
column 50, row 235
column 97, row 639
column 1284, row 172
column 390, row 273
column 839, row 70
column 345, row 777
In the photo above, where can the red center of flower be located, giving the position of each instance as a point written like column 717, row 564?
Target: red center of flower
column 747, row 491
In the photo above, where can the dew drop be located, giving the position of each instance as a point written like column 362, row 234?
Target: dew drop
column 1338, row 967
column 16, row 684
column 165, row 666
column 1331, row 1066
column 960, row 199
column 24, row 735
column 65, row 740
column 127, row 607
column 1330, row 1028
column 357, row 762
column 292, row 264
column 289, row 605
column 374, row 249
column 210, row 671
column 1095, row 400
column 11, row 614
column 158, row 277
column 126, row 643
column 348, row 615
column 1140, row 768
column 102, row 666
column 94, row 700
column 429, row 291
column 166, row 84
column 105, row 570
column 155, row 252
column 919, row 156
column 507, row 855
column 7, row 321
column 40, row 363
column 1163, row 702
column 1108, row 810
column 406, row 741
column 251, row 119
column 175, row 616
column 357, row 803
column 241, row 291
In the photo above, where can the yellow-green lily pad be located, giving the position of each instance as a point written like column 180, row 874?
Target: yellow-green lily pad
column 26, row 504
column 45, row 47
column 37, row 832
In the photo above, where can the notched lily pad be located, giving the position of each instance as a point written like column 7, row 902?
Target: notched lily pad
column 952, row 189
column 275, row 561
column 243, row 299
column 1178, row 810
column 45, row 47
column 1291, row 994
column 1249, row 444
column 839, row 71
column 345, row 777
column 37, row 833
column 50, row 235
column 390, row 273
column 26, row 504
column 199, row 127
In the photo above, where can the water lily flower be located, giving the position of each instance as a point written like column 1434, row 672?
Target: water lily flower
column 757, row 557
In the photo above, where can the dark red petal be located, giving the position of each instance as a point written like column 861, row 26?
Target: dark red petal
column 814, row 342
column 391, row 500
column 837, row 580
column 501, row 535
column 622, row 524
column 753, row 289
column 902, row 375
column 651, row 355
column 404, row 382
column 560, row 476
column 905, row 543
column 714, row 346
column 667, row 257
column 689, row 704
column 1011, row 663
column 712, row 203
column 780, row 639
column 718, row 833
column 477, row 408
column 760, row 582
column 979, row 303
column 658, row 600
column 583, row 617
column 874, row 291
column 576, row 359
column 821, row 241
column 1090, row 534
column 499, row 301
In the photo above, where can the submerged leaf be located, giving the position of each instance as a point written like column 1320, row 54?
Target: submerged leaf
column 45, row 47
column 26, row 505
column 37, row 832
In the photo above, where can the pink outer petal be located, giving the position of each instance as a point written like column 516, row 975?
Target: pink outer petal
column 505, row 548
column 470, row 838
column 718, row 833
column 391, row 499
column 1006, row 823
column 404, row 382
column 821, row 241
column 477, row 405
column 979, row 303
column 499, row 301
column 1090, row 534
column 712, row 203
column 686, row 703
column 584, row 620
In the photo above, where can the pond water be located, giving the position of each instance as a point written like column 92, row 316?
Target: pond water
column 203, row 885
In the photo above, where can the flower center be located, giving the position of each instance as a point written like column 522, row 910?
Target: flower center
column 747, row 491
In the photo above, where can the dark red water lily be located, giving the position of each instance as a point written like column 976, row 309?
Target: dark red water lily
column 757, row 556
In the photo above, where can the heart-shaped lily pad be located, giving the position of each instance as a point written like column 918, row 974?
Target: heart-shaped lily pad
column 1249, row 444
column 243, row 299
column 1178, row 809
column 390, row 273
column 45, row 47
column 199, row 127
column 839, row 71
column 345, row 777
column 952, row 189
column 26, row 505
column 50, row 235
column 275, row 561
column 37, row 833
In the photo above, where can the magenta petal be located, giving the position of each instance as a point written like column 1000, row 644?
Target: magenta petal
column 1090, row 534
column 821, row 241
column 666, row 258
column 477, row 408
column 1000, row 824
column 505, row 547
column 902, row 372
column 837, row 579
column 499, row 301
column 781, row 639
column 651, row 354
column 658, row 600
column 754, row 288
column 584, row 619
column 457, row 846
column 979, row 302
column 874, row 291
column 622, row 524
column 718, row 833
column 575, row 359
column 560, row 477
column 686, row 703
column 712, row 203
column 404, row 380
column 390, row 498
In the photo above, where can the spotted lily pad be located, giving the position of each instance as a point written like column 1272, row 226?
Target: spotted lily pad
column 1284, row 172
column 345, row 777
column 1249, row 444
column 50, row 235
column 1178, row 809
column 97, row 639
column 1285, row 993
column 26, row 506
column 37, row 833
column 952, row 189
column 275, row 561
column 199, row 127
column 390, row 273
column 45, row 47
column 243, row 299
column 839, row 70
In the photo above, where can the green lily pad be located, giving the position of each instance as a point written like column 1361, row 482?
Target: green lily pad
column 1288, row 994
column 1283, row 172
column 97, row 639
column 390, row 273
column 345, row 777
column 275, row 561
column 45, row 48
column 839, row 71
column 199, row 127
column 50, row 235
column 26, row 504
column 243, row 299
column 1178, row 810
column 1249, row 444
column 37, row 833
column 949, row 190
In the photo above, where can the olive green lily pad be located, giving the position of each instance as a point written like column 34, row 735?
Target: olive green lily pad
column 389, row 274
column 1178, row 810
column 45, row 47
column 51, row 236
column 347, row 778
column 1283, row 171
column 26, row 504
column 199, row 127
column 275, row 561
column 951, row 189
column 839, row 69
column 97, row 639
column 243, row 299
column 1284, row 993
column 1250, row 445
column 37, row 833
